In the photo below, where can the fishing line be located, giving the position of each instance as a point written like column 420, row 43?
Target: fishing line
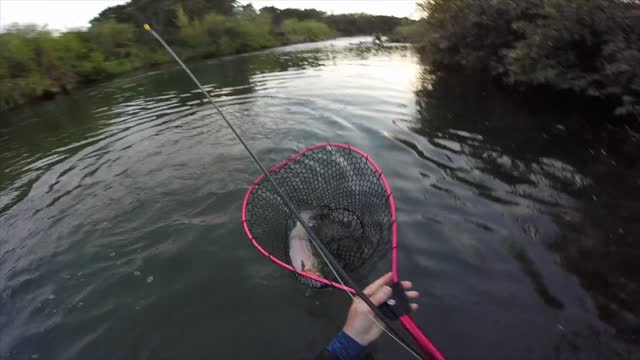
column 369, row 315
column 336, row 269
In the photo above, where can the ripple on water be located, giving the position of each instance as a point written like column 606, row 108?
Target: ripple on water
column 119, row 224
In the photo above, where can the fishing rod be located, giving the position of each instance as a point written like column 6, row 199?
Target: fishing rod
column 338, row 271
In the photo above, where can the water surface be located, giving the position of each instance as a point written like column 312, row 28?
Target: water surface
column 120, row 234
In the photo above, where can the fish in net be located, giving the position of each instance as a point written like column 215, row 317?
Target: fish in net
column 343, row 195
column 345, row 188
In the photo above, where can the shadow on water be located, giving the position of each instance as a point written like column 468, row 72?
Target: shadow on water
column 564, row 164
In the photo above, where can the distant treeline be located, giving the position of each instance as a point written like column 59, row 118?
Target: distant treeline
column 585, row 47
column 36, row 62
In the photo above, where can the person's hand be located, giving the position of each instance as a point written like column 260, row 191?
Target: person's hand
column 360, row 325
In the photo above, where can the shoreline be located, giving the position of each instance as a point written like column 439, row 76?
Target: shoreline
column 51, row 96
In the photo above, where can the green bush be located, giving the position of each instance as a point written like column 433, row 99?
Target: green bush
column 252, row 33
column 590, row 47
column 363, row 24
column 114, row 40
column 408, row 32
column 215, row 34
column 306, row 30
column 587, row 46
column 35, row 63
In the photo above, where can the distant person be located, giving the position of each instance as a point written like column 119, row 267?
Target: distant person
column 377, row 39
column 360, row 329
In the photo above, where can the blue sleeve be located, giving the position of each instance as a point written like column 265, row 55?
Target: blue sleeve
column 344, row 347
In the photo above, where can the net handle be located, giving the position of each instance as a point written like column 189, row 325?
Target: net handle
column 418, row 335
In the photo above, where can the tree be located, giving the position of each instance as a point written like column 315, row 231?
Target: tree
column 306, row 30
column 35, row 63
column 588, row 47
column 362, row 24
column 248, row 10
column 118, row 13
column 162, row 13
column 279, row 15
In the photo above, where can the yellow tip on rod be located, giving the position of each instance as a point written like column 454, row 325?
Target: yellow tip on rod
column 147, row 27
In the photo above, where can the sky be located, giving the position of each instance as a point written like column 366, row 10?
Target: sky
column 67, row 14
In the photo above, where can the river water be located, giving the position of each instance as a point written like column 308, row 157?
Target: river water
column 120, row 233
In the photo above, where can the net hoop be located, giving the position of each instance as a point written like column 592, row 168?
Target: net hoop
column 391, row 208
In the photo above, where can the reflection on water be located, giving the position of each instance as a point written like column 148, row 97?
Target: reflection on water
column 119, row 212
column 580, row 174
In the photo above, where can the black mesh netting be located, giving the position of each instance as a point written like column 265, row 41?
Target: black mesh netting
column 347, row 197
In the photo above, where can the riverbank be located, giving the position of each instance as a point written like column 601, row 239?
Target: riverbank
column 16, row 93
column 56, row 65
column 37, row 63
column 587, row 48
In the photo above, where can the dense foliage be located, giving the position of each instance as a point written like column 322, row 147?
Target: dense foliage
column 344, row 24
column 357, row 24
column 408, row 31
column 36, row 62
column 162, row 13
column 590, row 47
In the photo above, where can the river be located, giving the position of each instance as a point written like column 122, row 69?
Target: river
column 120, row 232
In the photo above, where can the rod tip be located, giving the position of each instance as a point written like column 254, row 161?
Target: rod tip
column 147, row 27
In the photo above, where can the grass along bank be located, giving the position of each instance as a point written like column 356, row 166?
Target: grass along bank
column 38, row 63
